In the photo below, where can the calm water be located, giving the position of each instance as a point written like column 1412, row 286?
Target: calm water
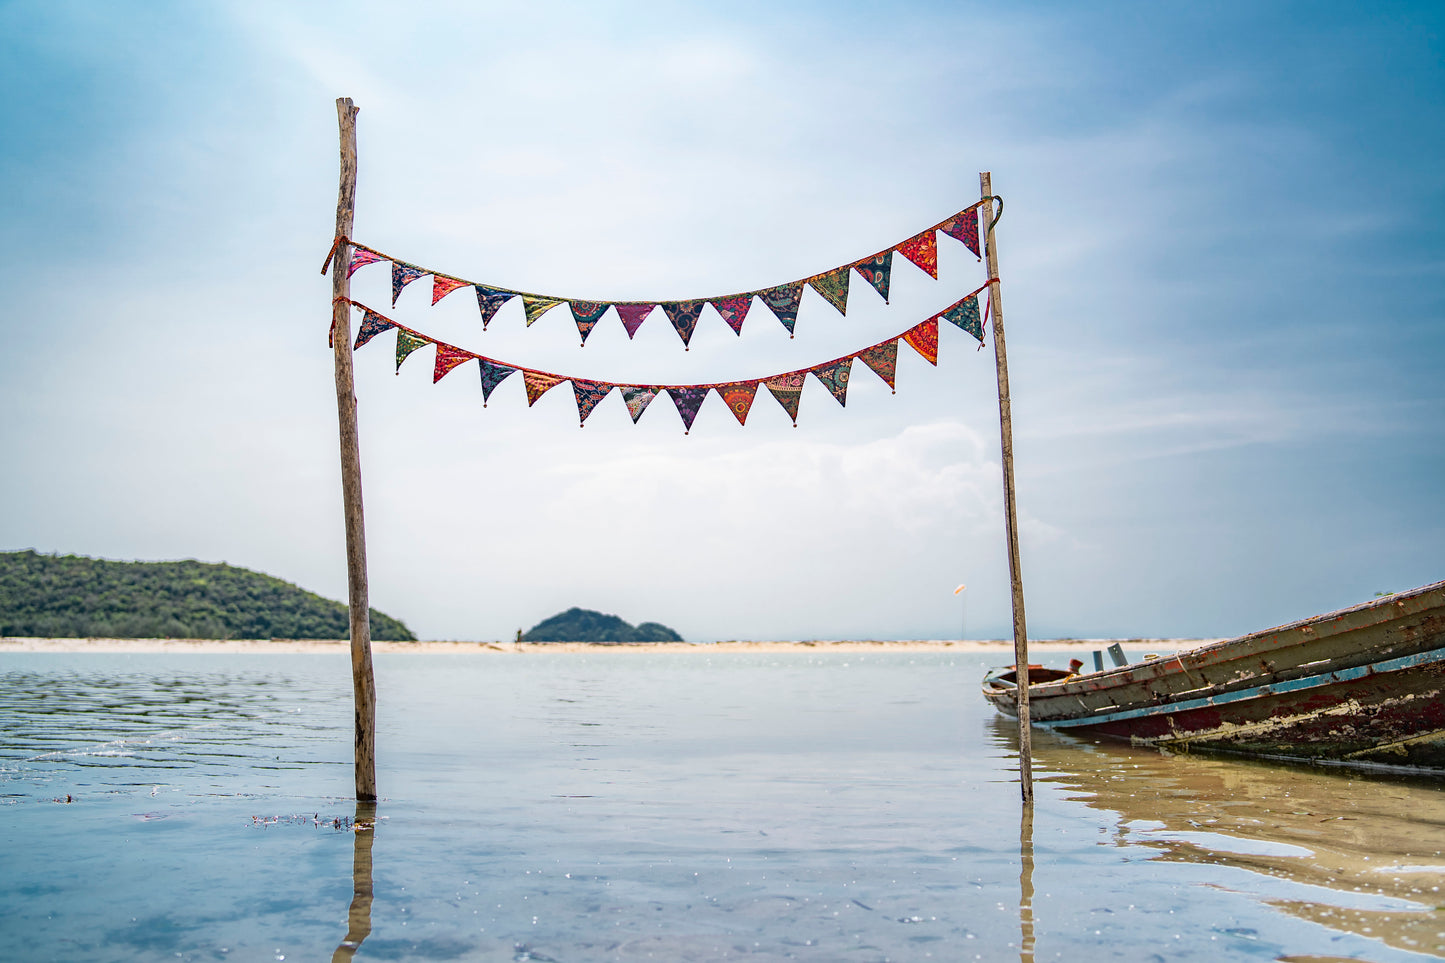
column 661, row 807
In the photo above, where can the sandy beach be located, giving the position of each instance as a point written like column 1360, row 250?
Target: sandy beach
column 277, row 646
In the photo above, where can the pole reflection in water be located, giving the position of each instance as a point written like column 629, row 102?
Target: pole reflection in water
column 1026, row 884
column 358, row 918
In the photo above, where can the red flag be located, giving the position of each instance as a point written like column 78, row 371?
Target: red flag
column 922, row 250
column 923, row 338
column 447, row 359
column 441, row 286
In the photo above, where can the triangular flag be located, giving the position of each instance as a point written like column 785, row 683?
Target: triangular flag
column 638, row 397
column 733, row 310
column 372, row 324
column 783, row 302
column 965, row 314
column 588, row 394
column 632, row 315
column 688, row 399
column 923, row 338
column 587, row 314
column 538, row 384
column 883, row 359
column 447, row 359
column 739, row 398
column 401, row 276
column 833, row 286
column 683, row 315
column 834, row 376
column 489, row 300
column 922, row 250
column 534, row 305
column 441, row 286
column 964, row 227
column 493, row 374
column 406, row 343
column 877, row 271
column 361, row 257
column 788, row 389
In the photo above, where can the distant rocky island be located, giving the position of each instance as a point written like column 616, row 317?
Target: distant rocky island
column 72, row 596
column 584, row 625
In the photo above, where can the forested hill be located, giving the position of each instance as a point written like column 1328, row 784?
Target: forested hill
column 584, row 625
column 71, row 596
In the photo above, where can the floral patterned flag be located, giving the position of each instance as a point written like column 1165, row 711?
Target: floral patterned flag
column 489, row 300
column 965, row 314
column 834, row 376
column 683, row 315
column 534, row 305
column 738, row 396
column 538, row 384
column 877, row 271
column 632, row 316
column 688, row 399
column 493, row 374
column 447, row 359
column 638, row 397
column 588, row 395
column 923, row 338
column 883, row 360
column 401, row 276
column 372, row 324
column 788, row 389
column 783, row 302
column 964, row 227
column 833, row 286
column 406, row 343
column 361, row 257
column 733, row 310
column 587, row 314
column 441, row 286
column 922, row 250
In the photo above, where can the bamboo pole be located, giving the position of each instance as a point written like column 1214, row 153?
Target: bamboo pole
column 1005, row 417
column 362, row 680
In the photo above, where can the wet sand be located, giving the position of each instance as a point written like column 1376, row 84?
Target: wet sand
column 279, row 646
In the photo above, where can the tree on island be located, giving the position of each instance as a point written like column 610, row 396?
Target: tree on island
column 584, row 625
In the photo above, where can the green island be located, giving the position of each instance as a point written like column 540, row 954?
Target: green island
column 585, row 625
column 73, row 596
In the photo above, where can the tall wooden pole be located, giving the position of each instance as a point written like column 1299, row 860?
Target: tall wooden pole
column 1005, row 417
column 362, row 680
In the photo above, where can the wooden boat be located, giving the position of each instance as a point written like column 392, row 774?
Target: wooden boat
column 1361, row 685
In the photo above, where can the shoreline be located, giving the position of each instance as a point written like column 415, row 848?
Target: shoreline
column 342, row 646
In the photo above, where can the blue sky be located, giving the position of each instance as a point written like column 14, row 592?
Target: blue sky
column 1222, row 265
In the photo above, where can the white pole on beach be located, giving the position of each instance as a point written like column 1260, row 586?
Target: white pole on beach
column 1006, row 439
column 963, row 620
column 357, row 597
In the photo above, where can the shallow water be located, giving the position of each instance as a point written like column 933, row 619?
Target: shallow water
column 579, row 807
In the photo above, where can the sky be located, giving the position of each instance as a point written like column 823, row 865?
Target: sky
column 1222, row 262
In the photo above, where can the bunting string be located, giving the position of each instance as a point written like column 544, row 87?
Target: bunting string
column 786, row 387
column 782, row 299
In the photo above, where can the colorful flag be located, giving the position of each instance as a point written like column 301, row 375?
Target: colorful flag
column 783, row 302
column 441, row 286
column 738, row 396
column 534, row 306
column 683, row 315
column 372, row 324
column 406, row 343
column 877, row 271
column 834, row 376
column 964, row 227
column 632, row 316
column 733, row 310
column 883, row 360
column 401, row 276
column 638, row 397
column 447, row 359
column 587, row 314
column 965, row 314
column 489, row 300
column 833, row 286
column 788, row 389
column 538, row 384
column 922, row 250
column 688, row 399
column 923, row 338
column 361, row 257
column 493, row 374
column 588, row 395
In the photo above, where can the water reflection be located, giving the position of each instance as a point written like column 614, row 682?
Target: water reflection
column 1354, row 852
column 358, row 917
column 1026, row 883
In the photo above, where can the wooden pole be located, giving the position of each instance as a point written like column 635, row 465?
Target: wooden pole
column 1005, row 417
column 362, row 680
